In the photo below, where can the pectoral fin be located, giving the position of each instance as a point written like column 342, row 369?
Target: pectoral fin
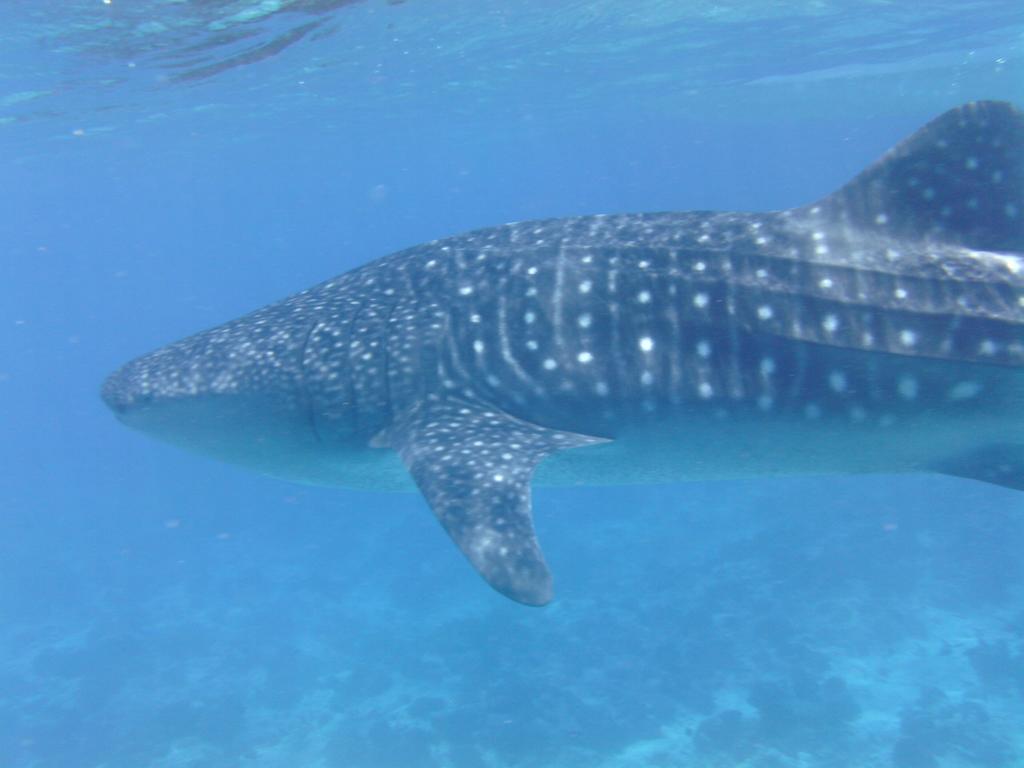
column 1001, row 464
column 474, row 467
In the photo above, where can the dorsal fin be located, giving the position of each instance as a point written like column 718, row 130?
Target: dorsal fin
column 960, row 179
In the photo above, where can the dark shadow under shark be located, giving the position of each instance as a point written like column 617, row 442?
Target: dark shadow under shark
column 877, row 330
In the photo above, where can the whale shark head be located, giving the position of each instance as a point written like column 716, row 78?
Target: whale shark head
column 279, row 390
column 234, row 392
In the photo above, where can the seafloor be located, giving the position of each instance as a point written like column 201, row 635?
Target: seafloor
column 750, row 625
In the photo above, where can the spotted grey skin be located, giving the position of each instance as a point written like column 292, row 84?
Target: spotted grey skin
column 878, row 330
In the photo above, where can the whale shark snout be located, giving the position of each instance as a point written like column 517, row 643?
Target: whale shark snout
column 119, row 392
column 130, row 389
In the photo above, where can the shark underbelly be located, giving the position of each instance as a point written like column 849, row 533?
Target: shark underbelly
column 748, row 444
column 739, row 440
column 892, row 415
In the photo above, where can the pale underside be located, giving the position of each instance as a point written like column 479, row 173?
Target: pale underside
column 978, row 406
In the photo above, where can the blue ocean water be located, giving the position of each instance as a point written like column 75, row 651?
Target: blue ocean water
column 169, row 165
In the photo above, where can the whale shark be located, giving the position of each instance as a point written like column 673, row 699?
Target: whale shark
column 877, row 330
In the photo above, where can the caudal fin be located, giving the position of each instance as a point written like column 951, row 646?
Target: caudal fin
column 960, row 179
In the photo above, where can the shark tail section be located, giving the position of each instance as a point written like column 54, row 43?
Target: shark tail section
column 959, row 179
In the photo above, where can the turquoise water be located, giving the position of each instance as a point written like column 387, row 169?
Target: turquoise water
column 169, row 165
